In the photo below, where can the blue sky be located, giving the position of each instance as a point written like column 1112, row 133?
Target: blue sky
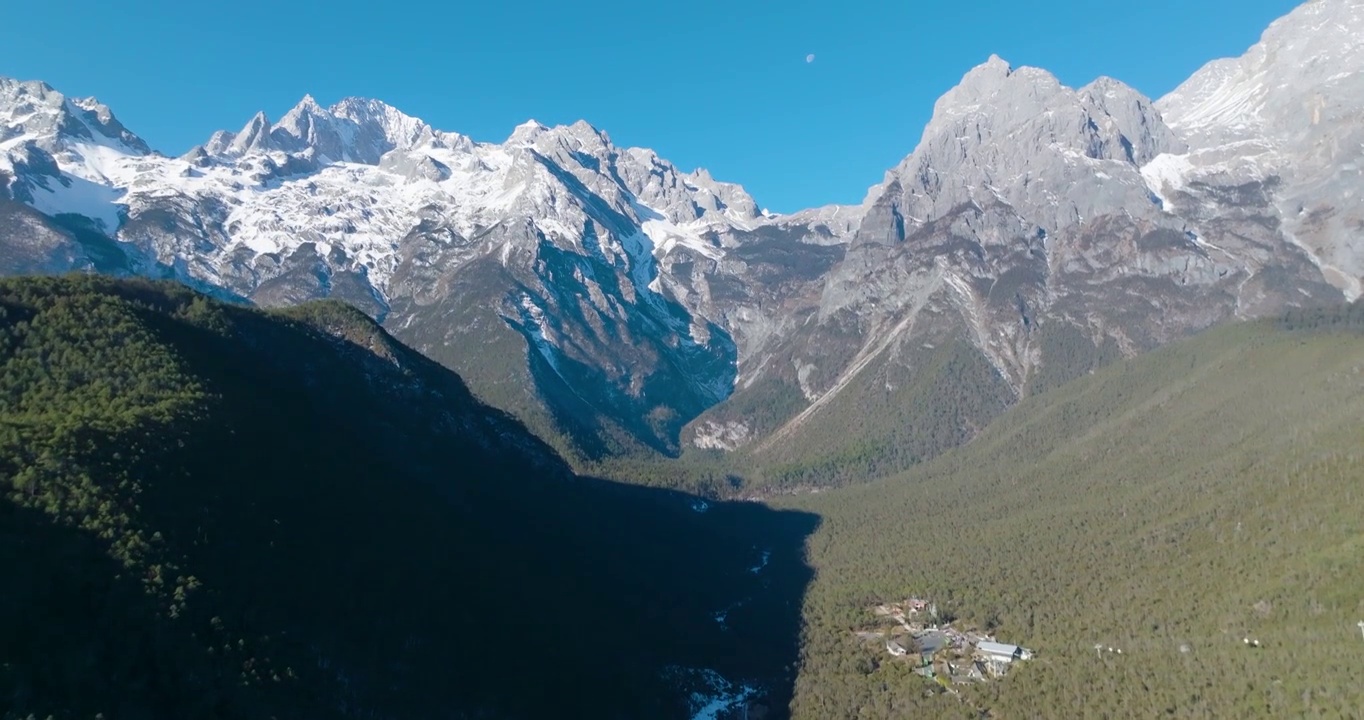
column 721, row 84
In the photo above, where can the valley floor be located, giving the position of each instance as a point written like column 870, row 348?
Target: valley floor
column 209, row 511
column 1199, row 510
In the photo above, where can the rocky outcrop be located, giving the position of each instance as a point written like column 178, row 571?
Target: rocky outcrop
column 1028, row 224
column 1280, row 129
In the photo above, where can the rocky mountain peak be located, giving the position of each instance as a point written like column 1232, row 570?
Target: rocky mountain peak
column 1311, row 55
column 37, row 113
column 1284, row 116
column 985, row 86
column 526, row 133
column 585, row 130
column 256, row 135
column 300, row 119
column 1134, row 116
column 308, row 125
column 388, row 128
column 681, row 197
column 648, row 291
column 995, row 98
column 307, row 105
column 356, row 130
column 578, row 143
column 1018, row 136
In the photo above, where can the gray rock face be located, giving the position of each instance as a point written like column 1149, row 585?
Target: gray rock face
column 43, row 133
column 1036, row 231
column 35, row 110
column 1286, row 121
column 1022, row 181
column 1027, row 223
column 35, row 245
column 1020, row 137
column 354, row 130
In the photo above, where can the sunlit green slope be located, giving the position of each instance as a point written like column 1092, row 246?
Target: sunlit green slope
column 1171, row 506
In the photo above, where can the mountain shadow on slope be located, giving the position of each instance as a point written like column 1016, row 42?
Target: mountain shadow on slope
column 211, row 511
column 540, row 339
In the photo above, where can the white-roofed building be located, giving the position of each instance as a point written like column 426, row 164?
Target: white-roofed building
column 1002, row 652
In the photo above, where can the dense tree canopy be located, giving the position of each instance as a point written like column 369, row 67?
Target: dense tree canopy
column 1172, row 506
column 211, row 511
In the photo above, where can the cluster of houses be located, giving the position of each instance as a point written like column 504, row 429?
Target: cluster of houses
column 942, row 651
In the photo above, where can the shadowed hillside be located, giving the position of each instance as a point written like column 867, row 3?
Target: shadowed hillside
column 210, row 511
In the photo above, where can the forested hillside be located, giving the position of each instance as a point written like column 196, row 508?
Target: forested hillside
column 211, row 511
column 1172, row 506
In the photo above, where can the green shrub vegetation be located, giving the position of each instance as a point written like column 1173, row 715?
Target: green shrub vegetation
column 906, row 408
column 1171, row 506
column 890, row 417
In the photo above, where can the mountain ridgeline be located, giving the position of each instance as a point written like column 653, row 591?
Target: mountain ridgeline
column 344, row 416
column 621, row 307
column 213, row 511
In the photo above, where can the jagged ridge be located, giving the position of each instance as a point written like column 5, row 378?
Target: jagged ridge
column 1046, row 227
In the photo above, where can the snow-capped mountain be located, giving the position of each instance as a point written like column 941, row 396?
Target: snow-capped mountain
column 55, row 149
column 595, row 255
column 1035, row 232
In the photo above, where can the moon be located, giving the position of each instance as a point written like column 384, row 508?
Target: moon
column 810, row 58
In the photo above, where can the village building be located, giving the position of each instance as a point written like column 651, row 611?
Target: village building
column 1002, row 652
column 949, row 655
column 999, row 657
column 977, row 671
